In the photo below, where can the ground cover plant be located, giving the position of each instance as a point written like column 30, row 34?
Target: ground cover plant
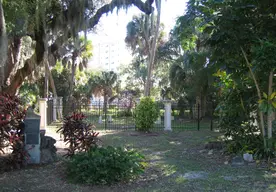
column 177, row 161
column 105, row 165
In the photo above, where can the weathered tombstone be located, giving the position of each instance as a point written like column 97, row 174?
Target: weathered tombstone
column 248, row 157
column 48, row 149
column 109, row 118
column 32, row 136
column 237, row 161
column 100, row 120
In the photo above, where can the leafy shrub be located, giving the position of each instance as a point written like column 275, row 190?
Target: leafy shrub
column 146, row 114
column 251, row 143
column 12, row 114
column 267, row 152
column 78, row 134
column 104, row 165
column 124, row 113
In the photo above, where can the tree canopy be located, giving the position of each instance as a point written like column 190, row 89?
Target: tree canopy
column 50, row 24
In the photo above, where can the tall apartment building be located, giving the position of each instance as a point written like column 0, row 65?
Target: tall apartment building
column 106, row 56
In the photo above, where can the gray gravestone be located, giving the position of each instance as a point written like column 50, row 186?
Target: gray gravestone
column 32, row 136
column 248, row 157
column 237, row 161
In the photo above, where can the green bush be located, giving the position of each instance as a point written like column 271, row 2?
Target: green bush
column 146, row 114
column 105, row 166
column 124, row 113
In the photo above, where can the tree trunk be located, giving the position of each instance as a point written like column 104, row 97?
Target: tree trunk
column 46, row 80
column 3, row 46
column 271, row 114
column 13, row 58
column 72, row 79
column 51, row 79
column 261, row 114
column 52, row 83
column 153, row 49
column 29, row 65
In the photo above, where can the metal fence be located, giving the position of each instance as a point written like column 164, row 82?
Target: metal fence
column 119, row 116
column 50, row 110
column 193, row 117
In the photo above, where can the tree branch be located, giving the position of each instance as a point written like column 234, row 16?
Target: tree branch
column 37, row 58
column 144, row 7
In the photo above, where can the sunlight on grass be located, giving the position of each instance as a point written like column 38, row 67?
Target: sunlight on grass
column 180, row 180
column 272, row 186
column 270, row 175
column 175, row 143
column 167, row 169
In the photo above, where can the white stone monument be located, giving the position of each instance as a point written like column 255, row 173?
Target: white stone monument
column 43, row 113
column 109, row 118
column 100, row 120
column 167, row 115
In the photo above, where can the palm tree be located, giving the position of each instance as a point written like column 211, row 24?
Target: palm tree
column 103, row 86
column 76, row 54
column 143, row 36
column 191, row 78
column 152, row 48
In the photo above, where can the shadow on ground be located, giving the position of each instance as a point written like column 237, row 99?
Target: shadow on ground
column 177, row 161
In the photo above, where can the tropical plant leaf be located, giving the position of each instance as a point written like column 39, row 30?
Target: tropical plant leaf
column 272, row 96
column 274, row 104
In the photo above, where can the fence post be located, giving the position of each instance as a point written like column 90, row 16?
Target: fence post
column 198, row 116
column 100, row 117
column 43, row 113
column 211, row 127
column 105, row 117
column 167, row 116
column 54, row 108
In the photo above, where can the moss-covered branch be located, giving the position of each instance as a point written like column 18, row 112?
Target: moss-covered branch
column 144, row 7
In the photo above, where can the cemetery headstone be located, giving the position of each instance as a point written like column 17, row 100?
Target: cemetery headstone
column 248, row 157
column 32, row 136
column 237, row 161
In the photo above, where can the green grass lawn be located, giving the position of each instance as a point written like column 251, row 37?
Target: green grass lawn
column 170, row 156
column 127, row 122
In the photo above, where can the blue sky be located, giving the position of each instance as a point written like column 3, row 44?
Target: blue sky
column 112, row 27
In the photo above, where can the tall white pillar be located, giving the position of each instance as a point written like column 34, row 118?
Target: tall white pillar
column 55, row 105
column 167, row 115
column 60, row 107
column 43, row 113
